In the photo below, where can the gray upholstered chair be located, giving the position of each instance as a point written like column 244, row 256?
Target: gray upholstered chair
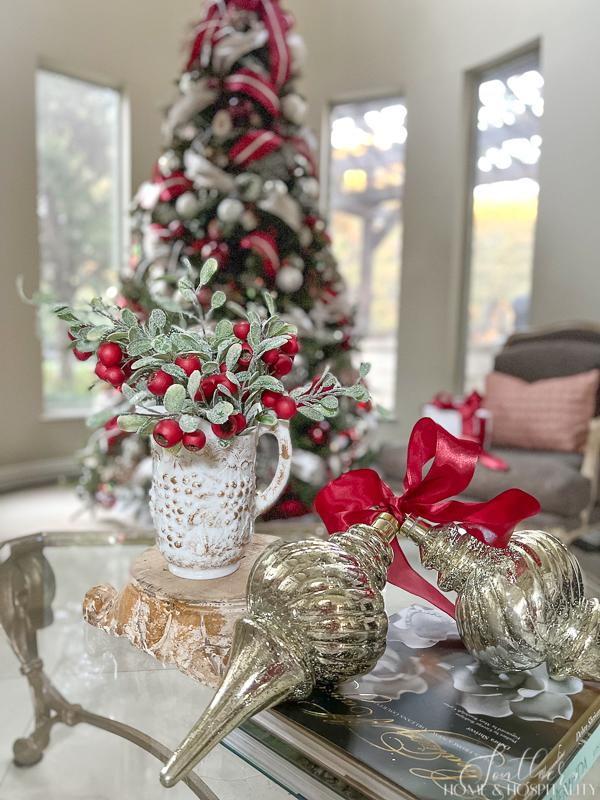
column 566, row 484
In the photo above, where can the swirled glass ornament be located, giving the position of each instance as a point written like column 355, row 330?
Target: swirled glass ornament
column 315, row 616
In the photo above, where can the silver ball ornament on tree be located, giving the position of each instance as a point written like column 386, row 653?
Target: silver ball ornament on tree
column 169, row 162
column 289, row 279
column 293, row 107
column 230, row 210
column 315, row 617
column 310, row 187
column 187, row 205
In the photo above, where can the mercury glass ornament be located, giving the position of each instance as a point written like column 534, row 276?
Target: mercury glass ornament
column 517, row 606
column 315, row 617
column 289, row 279
column 169, row 162
column 187, row 205
column 230, row 210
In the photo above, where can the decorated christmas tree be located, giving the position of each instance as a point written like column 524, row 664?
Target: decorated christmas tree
column 237, row 180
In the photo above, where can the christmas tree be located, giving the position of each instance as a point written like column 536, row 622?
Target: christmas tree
column 237, row 180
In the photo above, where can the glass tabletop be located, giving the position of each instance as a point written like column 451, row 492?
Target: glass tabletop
column 43, row 580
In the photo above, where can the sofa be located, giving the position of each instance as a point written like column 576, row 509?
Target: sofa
column 566, row 484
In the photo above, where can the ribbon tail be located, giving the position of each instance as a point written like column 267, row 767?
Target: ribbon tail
column 403, row 575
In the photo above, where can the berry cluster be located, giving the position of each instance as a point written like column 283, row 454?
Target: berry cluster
column 112, row 366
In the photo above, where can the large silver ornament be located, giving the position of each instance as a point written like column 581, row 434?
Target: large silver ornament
column 517, row 606
column 315, row 616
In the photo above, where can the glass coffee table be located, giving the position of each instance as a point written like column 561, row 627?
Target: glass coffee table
column 78, row 685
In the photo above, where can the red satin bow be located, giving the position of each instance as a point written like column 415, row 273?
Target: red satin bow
column 360, row 495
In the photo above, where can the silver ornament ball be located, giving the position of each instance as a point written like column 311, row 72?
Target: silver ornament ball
column 230, row 210
column 187, row 205
column 289, row 279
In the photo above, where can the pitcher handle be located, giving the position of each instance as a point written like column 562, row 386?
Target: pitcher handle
column 267, row 497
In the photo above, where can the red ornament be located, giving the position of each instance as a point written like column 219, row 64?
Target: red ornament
column 101, row 371
column 291, row 347
column 269, row 398
column 167, row 433
column 245, row 356
column 159, row 382
column 270, row 356
column 240, row 421
column 285, row 407
column 282, row 366
column 223, row 380
column 80, row 356
column 226, row 430
column 115, row 376
column 194, row 441
column 207, row 387
column 241, row 329
column 188, row 364
column 291, row 508
column 110, row 354
column 319, row 433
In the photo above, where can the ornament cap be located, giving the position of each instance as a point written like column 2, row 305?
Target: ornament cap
column 387, row 525
column 415, row 529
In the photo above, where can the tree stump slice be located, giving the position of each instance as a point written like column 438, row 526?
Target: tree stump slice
column 181, row 622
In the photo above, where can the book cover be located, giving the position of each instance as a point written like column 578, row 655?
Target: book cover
column 430, row 722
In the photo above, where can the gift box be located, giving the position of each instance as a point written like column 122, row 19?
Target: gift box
column 463, row 417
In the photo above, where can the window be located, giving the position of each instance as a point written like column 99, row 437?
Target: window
column 366, row 182
column 80, row 205
column 510, row 105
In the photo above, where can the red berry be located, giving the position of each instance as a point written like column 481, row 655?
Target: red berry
column 194, row 441
column 167, row 433
column 245, row 356
column 223, row 380
column 159, row 382
column 240, row 421
column 269, row 398
column 270, row 357
column 70, row 335
column 223, row 367
column 188, row 364
column 101, row 371
column 110, row 354
column 226, row 430
column 80, row 356
column 282, row 366
column 241, row 329
column 115, row 376
column 291, row 347
column 285, row 407
column 207, row 386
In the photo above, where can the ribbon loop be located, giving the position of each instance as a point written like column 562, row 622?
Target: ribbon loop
column 360, row 495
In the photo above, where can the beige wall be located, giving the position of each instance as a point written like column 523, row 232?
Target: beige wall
column 421, row 48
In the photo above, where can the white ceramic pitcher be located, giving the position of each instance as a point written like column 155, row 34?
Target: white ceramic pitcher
column 204, row 504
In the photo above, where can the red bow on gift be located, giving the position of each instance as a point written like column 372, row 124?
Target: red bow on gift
column 359, row 496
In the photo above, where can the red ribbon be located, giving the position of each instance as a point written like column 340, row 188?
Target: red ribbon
column 359, row 496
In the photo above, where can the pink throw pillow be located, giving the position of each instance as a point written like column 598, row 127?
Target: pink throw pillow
column 551, row 414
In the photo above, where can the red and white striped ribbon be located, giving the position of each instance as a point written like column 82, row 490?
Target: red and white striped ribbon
column 265, row 246
column 253, row 84
column 254, row 146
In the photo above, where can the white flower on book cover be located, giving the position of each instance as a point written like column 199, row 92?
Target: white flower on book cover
column 530, row 695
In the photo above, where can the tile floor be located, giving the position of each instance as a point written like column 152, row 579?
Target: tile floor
column 86, row 763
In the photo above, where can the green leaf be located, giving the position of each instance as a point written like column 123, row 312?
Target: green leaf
column 193, row 384
column 223, row 329
column 357, row 392
column 269, row 302
column 267, row 382
column 210, row 368
column 268, row 417
column 131, row 422
column 254, row 335
column 100, row 417
column 208, row 270
column 157, row 321
column 98, row 332
column 331, row 403
column 174, row 398
column 65, row 313
column 139, row 348
column 189, row 423
column 364, row 369
column 220, row 413
column 127, row 391
column 175, row 371
column 233, row 356
column 218, row 299
column 128, row 318
column 162, row 344
column 270, row 344
column 311, row 413
column 147, row 361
